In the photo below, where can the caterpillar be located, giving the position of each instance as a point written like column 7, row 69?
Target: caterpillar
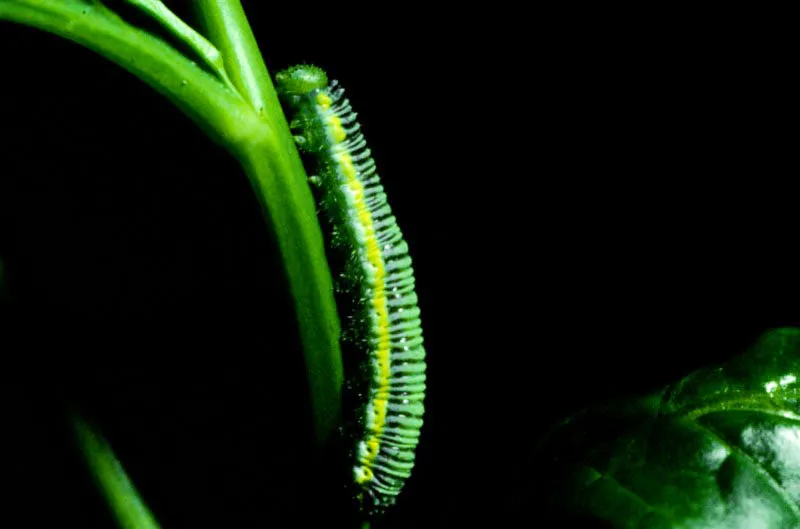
column 379, row 274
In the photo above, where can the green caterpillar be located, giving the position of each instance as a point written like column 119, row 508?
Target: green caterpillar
column 380, row 275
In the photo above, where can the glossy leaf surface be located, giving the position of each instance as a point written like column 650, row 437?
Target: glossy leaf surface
column 719, row 449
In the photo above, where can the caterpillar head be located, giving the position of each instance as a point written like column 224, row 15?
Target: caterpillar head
column 298, row 87
column 300, row 80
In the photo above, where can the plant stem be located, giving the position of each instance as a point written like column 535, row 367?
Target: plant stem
column 226, row 25
column 172, row 23
column 222, row 113
column 252, row 127
column 278, row 177
column 127, row 507
column 290, row 213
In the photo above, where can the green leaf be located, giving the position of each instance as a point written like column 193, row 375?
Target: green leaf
column 722, row 450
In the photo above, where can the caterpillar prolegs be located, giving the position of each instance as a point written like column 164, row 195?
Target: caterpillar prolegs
column 379, row 275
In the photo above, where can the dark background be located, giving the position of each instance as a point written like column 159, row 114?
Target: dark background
column 595, row 203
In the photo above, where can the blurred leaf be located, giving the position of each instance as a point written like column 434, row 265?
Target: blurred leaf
column 721, row 450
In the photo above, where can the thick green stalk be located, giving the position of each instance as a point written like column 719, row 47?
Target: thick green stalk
column 279, row 179
column 290, row 212
column 128, row 509
column 226, row 25
column 250, row 124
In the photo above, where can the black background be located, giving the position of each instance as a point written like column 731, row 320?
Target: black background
column 596, row 203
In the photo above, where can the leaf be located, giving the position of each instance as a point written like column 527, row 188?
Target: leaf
column 720, row 450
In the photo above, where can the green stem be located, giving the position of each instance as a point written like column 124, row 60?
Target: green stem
column 225, row 23
column 291, row 214
column 170, row 21
column 251, row 126
column 278, row 177
column 218, row 110
column 126, row 505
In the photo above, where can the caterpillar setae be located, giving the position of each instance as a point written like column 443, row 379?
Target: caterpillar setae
column 379, row 274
